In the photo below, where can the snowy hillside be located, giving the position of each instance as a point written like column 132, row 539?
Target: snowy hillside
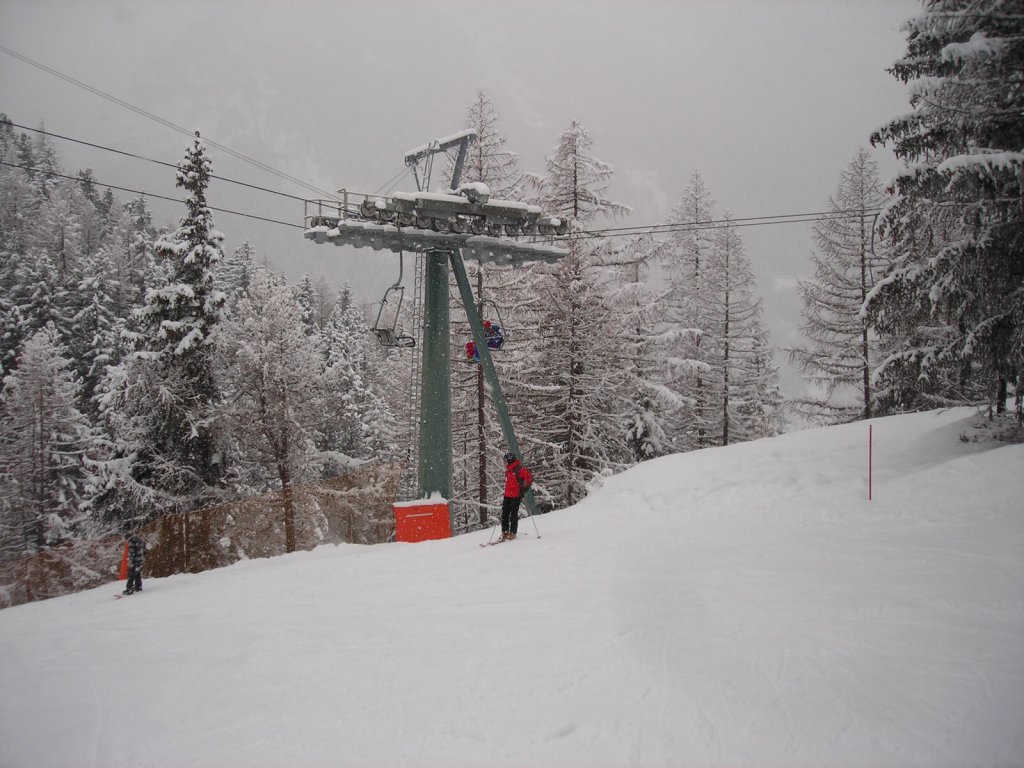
column 744, row 606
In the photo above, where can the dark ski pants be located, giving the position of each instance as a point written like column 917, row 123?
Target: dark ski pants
column 510, row 514
column 134, row 580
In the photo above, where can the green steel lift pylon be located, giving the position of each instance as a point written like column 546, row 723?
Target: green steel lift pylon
column 444, row 227
column 435, row 448
column 434, row 473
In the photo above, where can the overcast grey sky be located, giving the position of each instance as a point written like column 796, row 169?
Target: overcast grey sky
column 769, row 99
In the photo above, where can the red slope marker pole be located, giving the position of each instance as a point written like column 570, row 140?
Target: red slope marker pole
column 122, row 572
column 870, row 436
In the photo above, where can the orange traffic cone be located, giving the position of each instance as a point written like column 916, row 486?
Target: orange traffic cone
column 122, row 574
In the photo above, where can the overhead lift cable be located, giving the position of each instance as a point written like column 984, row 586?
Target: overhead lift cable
column 796, row 218
column 651, row 229
column 151, row 194
column 164, row 122
column 605, row 232
column 151, row 160
column 748, row 221
column 390, row 183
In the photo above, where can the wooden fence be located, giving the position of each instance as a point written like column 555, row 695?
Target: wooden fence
column 355, row 507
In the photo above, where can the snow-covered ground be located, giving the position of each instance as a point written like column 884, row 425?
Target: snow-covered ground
column 745, row 606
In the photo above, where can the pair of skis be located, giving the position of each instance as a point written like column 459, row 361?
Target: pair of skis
column 501, row 541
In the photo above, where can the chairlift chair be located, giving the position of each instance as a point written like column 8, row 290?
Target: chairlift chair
column 387, row 334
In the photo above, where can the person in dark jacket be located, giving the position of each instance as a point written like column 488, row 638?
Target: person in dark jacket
column 136, row 557
column 517, row 481
column 494, row 335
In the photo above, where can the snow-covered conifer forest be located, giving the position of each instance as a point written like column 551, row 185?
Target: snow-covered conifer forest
column 152, row 380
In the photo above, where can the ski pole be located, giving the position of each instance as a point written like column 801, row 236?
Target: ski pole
column 529, row 508
column 490, row 537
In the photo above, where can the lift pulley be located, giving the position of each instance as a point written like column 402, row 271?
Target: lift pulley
column 468, row 209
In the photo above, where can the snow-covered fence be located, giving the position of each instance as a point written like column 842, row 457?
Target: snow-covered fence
column 60, row 570
column 354, row 507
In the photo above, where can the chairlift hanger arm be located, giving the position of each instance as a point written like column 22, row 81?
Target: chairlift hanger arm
column 387, row 334
column 460, row 139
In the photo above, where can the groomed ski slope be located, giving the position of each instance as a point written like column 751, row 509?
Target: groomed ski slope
column 742, row 606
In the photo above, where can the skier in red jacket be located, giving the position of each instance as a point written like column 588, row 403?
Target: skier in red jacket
column 517, row 482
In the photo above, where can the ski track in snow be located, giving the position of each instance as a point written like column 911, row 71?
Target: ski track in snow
column 744, row 606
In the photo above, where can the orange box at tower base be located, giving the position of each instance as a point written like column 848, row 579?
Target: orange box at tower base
column 422, row 520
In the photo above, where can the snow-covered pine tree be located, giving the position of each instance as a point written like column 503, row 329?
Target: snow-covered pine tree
column 234, row 273
column 95, row 329
column 95, row 222
column 7, row 137
column 686, row 327
column 31, row 285
column 741, row 371
column 488, row 160
column 44, row 440
column 641, row 310
column 103, row 204
column 324, row 300
column 573, row 417
column 576, row 182
column 160, row 403
column 951, row 310
column 33, row 293
column 275, row 400
column 42, row 161
column 761, row 405
column 127, row 273
column 360, row 424
column 18, row 197
column 138, row 266
column 841, row 350
column 476, row 435
column 43, row 252
column 56, row 229
column 306, row 298
column 342, row 346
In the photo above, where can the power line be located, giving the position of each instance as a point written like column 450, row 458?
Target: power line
column 164, row 122
column 151, row 160
column 151, row 194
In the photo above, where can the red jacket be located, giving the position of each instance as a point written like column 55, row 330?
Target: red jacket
column 516, row 475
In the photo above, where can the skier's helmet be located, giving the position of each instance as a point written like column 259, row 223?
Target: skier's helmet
column 510, row 457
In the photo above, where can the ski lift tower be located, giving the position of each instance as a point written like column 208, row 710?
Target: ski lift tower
column 446, row 227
